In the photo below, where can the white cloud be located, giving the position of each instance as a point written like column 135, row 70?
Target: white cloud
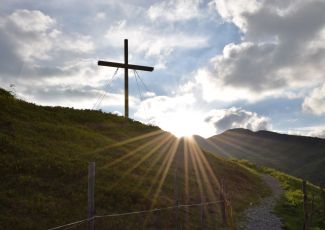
column 158, row 106
column 315, row 102
column 317, row 133
column 312, row 131
column 79, row 44
column 36, row 36
column 31, row 21
column 224, row 119
column 150, row 94
column 153, row 42
column 175, row 10
column 235, row 10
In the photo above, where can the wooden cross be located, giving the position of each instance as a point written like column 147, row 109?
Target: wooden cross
column 126, row 67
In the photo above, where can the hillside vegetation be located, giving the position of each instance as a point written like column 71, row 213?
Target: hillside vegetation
column 44, row 154
column 300, row 156
column 290, row 207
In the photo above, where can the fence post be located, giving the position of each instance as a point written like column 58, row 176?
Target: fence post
column 176, row 198
column 230, row 215
column 323, row 199
column 202, row 212
column 91, row 193
column 304, row 190
column 223, row 205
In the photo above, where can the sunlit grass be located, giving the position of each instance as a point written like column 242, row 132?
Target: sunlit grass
column 127, row 141
column 164, row 169
column 144, row 157
column 156, row 160
column 141, row 147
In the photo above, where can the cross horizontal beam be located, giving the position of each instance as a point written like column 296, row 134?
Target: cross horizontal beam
column 126, row 66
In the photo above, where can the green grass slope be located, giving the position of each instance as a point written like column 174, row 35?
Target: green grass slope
column 299, row 156
column 44, row 154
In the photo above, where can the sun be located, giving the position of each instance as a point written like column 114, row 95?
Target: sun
column 185, row 124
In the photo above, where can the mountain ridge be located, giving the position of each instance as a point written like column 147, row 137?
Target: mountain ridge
column 300, row 156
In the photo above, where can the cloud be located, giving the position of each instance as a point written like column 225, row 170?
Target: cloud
column 315, row 102
column 224, row 119
column 75, row 96
column 46, row 63
column 159, row 106
column 100, row 16
column 317, row 133
column 34, row 36
column 178, row 115
column 31, row 21
column 282, row 46
column 175, row 10
column 234, row 11
column 204, row 84
column 36, row 52
column 312, row 131
column 153, row 42
column 29, row 32
column 248, row 65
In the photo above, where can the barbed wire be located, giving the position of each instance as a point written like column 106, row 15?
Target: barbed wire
column 133, row 213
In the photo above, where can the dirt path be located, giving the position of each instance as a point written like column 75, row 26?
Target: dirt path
column 262, row 216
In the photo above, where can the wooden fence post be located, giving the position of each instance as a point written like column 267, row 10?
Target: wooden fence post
column 176, row 198
column 304, row 190
column 223, row 205
column 202, row 212
column 230, row 215
column 323, row 200
column 91, row 193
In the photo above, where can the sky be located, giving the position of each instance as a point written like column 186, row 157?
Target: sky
column 219, row 64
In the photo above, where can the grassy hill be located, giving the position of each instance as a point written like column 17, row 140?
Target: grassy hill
column 300, row 156
column 44, row 154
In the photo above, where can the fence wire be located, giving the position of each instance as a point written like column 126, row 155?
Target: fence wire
column 76, row 223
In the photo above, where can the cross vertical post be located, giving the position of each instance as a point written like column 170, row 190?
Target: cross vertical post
column 126, row 67
column 126, row 78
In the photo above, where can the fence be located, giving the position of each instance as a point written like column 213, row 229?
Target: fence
column 178, row 210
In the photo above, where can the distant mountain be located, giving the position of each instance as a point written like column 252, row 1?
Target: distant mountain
column 300, row 156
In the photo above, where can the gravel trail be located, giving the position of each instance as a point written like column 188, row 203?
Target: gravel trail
column 262, row 216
